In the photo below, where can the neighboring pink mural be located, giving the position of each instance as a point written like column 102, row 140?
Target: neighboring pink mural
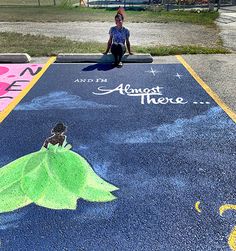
column 13, row 79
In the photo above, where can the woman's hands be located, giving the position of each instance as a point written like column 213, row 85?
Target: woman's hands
column 128, row 46
column 108, row 45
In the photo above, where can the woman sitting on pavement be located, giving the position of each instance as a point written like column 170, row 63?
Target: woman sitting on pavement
column 119, row 35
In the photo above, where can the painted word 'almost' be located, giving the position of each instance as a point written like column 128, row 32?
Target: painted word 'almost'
column 127, row 90
column 147, row 95
column 90, row 80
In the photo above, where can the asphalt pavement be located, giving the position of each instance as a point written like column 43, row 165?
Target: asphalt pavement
column 218, row 71
column 149, row 129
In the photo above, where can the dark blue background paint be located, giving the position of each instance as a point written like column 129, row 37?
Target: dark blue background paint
column 163, row 158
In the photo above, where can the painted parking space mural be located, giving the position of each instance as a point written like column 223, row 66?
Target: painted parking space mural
column 146, row 162
column 13, row 79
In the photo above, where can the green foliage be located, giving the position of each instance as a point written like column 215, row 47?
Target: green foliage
column 68, row 14
column 66, row 3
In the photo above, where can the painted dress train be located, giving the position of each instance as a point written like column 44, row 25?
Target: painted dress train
column 54, row 177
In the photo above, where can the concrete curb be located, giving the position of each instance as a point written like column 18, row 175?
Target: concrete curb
column 100, row 58
column 14, row 58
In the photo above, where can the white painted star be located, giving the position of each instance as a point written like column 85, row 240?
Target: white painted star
column 178, row 75
column 152, row 71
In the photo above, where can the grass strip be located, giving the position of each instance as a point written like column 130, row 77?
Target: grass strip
column 59, row 14
column 40, row 46
column 180, row 49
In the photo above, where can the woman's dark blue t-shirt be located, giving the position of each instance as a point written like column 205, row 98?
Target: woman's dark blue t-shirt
column 119, row 35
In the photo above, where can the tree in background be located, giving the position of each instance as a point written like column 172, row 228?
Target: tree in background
column 66, row 3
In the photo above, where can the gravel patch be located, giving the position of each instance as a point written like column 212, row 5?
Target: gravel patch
column 141, row 33
column 227, row 26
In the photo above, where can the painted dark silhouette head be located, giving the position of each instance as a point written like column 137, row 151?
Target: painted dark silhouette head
column 59, row 128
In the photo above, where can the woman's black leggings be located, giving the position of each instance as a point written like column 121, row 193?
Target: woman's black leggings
column 118, row 50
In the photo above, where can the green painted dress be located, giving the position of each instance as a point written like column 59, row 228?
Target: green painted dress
column 54, row 177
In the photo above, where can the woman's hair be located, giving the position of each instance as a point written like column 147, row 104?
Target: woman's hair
column 120, row 16
column 120, row 13
column 59, row 128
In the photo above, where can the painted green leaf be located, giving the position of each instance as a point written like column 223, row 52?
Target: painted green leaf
column 68, row 170
column 33, row 160
column 13, row 198
column 93, row 180
column 12, row 172
column 57, row 197
column 96, row 195
column 11, row 195
column 42, row 186
column 35, row 177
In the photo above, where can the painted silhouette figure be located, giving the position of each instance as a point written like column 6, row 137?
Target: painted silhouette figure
column 58, row 135
column 54, row 177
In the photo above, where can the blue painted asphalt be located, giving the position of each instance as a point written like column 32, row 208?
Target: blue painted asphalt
column 163, row 157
